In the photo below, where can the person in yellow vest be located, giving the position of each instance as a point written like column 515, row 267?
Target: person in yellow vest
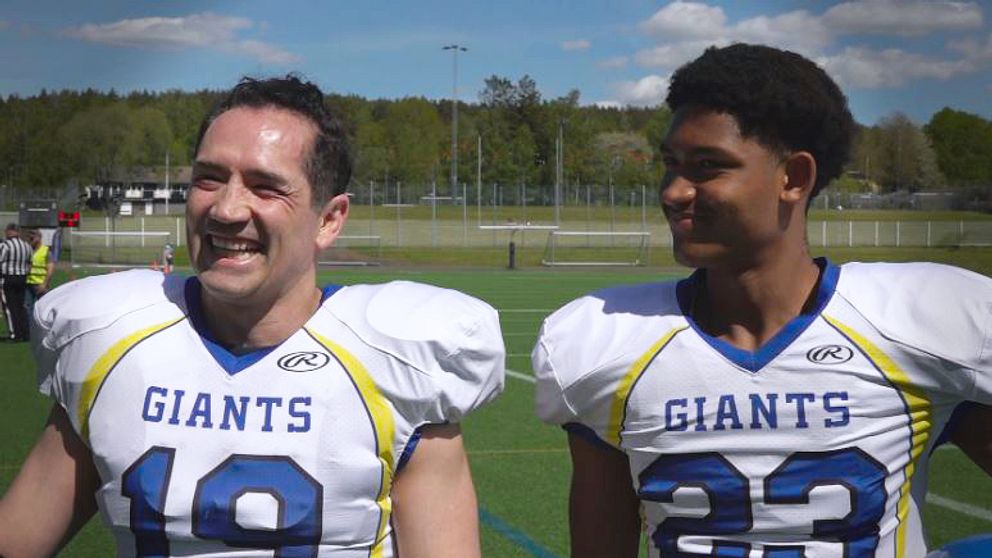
column 42, row 267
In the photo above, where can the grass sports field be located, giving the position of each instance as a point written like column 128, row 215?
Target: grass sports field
column 521, row 466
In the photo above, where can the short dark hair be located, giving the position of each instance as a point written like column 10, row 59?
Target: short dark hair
column 780, row 98
column 328, row 165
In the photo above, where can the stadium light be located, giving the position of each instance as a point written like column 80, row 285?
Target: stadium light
column 454, row 48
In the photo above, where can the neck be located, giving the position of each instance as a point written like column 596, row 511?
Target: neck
column 746, row 307
column 242, row 327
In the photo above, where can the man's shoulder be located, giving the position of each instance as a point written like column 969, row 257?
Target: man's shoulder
column 399, row 314
column 400, row 304
column 940, row 309
column 617, row 304
column 98, row 301
column 915, row 283
column 443, row 335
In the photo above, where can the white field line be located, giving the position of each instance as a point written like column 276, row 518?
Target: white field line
column 521, row 376
column 960, row 507
column 935, row 499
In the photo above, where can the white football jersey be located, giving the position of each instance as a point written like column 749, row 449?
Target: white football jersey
column 814, row 446
column 289, row 451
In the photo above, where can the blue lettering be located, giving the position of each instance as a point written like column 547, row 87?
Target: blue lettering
column 727, row 410
column 268, row 402
column 700, row 414
column 800, row 399
column 304, row 414
column 159, row 406
column 231, row 411
column 201, row 409
column 178, row 396
column 682, row 423
column 769, row 413
column 845, row 412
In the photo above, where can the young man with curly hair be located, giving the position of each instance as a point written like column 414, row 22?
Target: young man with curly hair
column 771, row 404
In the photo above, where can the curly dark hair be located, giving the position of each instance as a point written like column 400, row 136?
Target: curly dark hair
column 783, row 100
column 328, row 166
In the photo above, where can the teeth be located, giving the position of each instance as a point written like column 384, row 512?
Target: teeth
column 233, row 245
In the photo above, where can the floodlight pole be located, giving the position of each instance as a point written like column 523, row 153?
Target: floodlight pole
column 454, row 48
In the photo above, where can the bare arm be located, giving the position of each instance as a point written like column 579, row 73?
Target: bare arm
column 435, row 513
column 52, row 496
column 974, row 436
column 604, row 517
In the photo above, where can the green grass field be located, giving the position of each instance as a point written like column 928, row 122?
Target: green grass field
column 520, row 465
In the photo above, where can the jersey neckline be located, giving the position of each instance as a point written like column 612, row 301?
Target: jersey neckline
column 756, row 360
column 231, row 363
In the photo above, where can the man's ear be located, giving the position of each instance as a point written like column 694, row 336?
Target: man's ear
column 799, row 177
column 331, row 221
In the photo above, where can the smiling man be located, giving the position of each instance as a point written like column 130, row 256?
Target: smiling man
column 771, row 404
column 245, row 411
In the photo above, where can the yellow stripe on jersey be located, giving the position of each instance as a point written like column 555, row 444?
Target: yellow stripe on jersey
column 381, row 413
column 103, row 366
column 919, row 414
column 618, row 410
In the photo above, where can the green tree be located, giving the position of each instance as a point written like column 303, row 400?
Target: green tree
column 963, row 145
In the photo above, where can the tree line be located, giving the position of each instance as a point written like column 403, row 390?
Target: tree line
column 88, row 137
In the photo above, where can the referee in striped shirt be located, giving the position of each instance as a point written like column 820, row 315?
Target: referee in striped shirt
column 15, row 263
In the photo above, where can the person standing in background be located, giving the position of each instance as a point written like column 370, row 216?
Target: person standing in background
column 15, row 262
column 42, row 267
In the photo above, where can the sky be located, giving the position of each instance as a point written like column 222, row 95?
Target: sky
column 910, row 56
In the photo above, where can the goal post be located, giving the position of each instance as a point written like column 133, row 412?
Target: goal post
column 596, row 248
column 116, row 248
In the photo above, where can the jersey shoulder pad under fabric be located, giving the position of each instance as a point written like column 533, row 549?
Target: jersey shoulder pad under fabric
column 940, row 309
column 98, row 301
column 586, row 337
column 447, row 335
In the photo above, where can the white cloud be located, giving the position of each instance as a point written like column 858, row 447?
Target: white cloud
column 905, row 18
column 204, row 30
column 647, row 91
column 671, row 56
column 799, row 30
column 865, row 68
column 578, row 44
column 684, row 29
column 686, row 20
column 615, row 62
column 973, row 49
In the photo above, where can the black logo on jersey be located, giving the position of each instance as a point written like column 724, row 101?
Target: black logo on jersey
column 830, row 354
column 303, row 362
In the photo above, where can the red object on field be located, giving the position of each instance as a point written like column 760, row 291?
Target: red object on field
column 70, row 220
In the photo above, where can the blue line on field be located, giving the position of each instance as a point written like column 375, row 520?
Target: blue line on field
column 515, row 536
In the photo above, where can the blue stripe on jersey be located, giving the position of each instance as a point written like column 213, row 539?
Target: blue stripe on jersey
column 755, row 361
column 328, row 291
column 230, row 362
column 408, row 449
column 587, row 434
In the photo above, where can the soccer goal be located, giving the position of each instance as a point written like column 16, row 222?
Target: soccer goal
column 353, row 250
column 596, row 248
column 117, row 248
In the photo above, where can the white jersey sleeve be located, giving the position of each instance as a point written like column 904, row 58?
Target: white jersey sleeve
column 90, row 305
column 581, row 347
column 443, row 335
column 936, row 309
